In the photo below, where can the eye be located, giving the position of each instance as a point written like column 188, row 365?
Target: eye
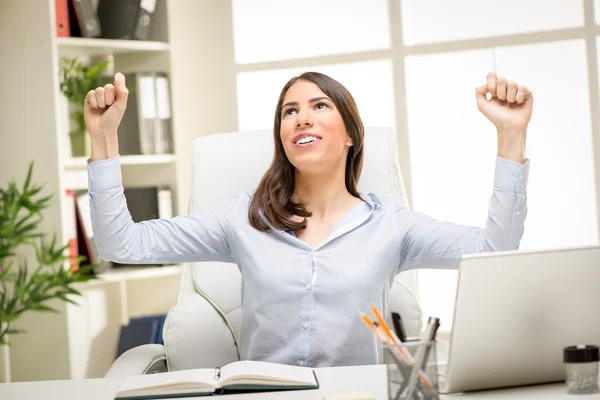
column 289, row 111
column 321, row 106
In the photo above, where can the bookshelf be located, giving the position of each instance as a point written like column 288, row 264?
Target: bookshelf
column 76, row 163
column 103, row 47
column 79, row 341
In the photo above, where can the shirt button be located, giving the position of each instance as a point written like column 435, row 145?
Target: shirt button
column 518, row 212
column 310, row 253
column 521, row 178
column 301, row 363
column 307, row 286
column 305, row 325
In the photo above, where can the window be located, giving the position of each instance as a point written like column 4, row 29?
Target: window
column 258, row 92
column 453, row 153
column 440, row 20
column 561, row 189
column 452, row 145
column 267, row 30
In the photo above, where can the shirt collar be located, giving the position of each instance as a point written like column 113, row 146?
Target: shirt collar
column 371, row 199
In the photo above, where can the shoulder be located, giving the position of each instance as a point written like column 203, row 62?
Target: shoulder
column 394, row 209
column 225, row 206
column 374, row 201
column 242, row 201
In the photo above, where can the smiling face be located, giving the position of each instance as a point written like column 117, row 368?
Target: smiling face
column 312, row 130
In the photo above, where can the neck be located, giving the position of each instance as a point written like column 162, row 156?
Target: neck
column 323, row 194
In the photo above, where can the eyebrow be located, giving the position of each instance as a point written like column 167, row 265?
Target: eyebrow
column 295, row 103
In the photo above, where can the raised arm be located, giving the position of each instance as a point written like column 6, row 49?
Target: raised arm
column 509, row 108
column 201, row 236
column 428, row 239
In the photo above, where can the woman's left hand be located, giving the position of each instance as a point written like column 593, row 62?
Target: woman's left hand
column 509, row 109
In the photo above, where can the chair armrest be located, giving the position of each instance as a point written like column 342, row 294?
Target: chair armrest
column 141, row 360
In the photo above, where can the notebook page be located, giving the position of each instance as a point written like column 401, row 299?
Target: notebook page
column 258, row 372
column 186, row 379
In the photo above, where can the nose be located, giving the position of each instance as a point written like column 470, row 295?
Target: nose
column 304, row 119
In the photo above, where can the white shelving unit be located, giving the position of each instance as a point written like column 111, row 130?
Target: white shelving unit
column 137, row 272
column 94, row 47
column 193, row 43
column 80, row 341
column 152, row 159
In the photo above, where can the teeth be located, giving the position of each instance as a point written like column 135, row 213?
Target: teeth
column 307, row 139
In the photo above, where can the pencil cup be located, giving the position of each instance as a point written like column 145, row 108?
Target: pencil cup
column 411, row 371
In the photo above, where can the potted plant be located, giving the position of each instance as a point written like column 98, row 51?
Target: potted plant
column 76, row 80
column 23, row 287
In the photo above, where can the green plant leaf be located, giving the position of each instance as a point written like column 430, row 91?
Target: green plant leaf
column 23, row 288
column 24, row 220
column 8, row 317
column 65, row 298
column 28, row 179
column 43, row 308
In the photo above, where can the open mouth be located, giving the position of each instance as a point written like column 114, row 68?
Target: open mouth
column 307, row 140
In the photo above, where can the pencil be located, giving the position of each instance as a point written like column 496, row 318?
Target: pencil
column 384, row 326
column 371, row 325
column 400, row 353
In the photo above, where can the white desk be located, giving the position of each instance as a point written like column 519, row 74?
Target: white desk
column 370, row 379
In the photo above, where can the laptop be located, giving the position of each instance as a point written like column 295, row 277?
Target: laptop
column 515, row 311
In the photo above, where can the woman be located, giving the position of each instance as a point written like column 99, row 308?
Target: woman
column 310, row 248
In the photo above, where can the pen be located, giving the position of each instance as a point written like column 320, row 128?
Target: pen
column 371, row 325
column 398, row 326
column 435, row 328
column 420, row 356
column 399, row 351
column 382, row 322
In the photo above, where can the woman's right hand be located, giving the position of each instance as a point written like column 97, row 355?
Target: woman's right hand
column 103, row 110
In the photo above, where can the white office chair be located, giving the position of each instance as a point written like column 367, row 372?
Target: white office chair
column 202, row 330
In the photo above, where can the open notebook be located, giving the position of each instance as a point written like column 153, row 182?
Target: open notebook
column 239, row 376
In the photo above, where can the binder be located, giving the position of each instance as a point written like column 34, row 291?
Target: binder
column 126, row 19
column 71, row 226
column 147, row 203
column 83, row 19
column 85, row 234
column 136, row 132
column 165, row 204
column 140, row 331
column 61, row 14
column 143, row 21
column 163, row 139
column 146, row 126
column 117, row 17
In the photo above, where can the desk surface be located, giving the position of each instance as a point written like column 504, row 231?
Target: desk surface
column 371, row 379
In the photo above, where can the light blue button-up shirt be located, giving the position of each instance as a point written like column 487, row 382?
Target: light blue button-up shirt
column 299, row 304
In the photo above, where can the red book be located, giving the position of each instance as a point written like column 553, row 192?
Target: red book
column 62, row 18
column 71, row 226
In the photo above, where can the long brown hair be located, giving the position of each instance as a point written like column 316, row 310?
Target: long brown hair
column 276, row 187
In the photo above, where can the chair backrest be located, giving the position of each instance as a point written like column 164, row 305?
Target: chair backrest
column 202, row 330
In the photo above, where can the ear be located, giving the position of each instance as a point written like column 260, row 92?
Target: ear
column 349, row 141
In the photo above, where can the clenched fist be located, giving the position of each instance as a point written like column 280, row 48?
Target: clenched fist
column 104, row 108
column 510, row 105
column 509, row 109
